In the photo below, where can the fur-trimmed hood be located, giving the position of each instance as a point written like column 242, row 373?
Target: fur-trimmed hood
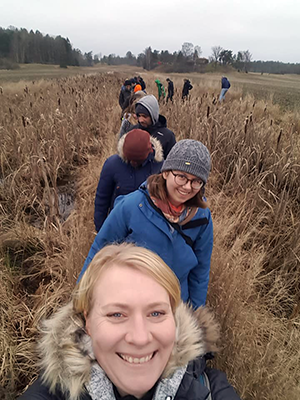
column 157, row 147
column 66, row 356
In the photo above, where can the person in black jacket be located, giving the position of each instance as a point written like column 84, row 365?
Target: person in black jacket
column 141, row 82
column 127, row 333
column 124, row 95
column 186, row 89
column 149, row 119
column 170, row 90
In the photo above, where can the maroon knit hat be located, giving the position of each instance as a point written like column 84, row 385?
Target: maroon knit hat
column 137, row 145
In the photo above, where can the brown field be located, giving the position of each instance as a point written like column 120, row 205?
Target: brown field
column 283, row 90
column 55, row 135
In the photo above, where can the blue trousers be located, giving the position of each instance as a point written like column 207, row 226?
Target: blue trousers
column 222, row 94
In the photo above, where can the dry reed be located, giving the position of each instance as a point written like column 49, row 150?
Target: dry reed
column 62, row 131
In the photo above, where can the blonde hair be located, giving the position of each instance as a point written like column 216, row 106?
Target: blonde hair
column 134, row 98
column 129, row 255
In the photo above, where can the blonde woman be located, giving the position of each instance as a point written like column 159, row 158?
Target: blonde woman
column 126, row 333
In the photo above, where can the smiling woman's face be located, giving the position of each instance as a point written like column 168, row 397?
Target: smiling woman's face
column 179, row 194
column 132, row 328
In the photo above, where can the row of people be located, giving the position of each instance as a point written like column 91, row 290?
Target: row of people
column 167, row 214
column 187, row 86
column 124, row 173
column 118, row 334
column 130, row 86
column 225, row 85
column 138, row 84
column 170, row 203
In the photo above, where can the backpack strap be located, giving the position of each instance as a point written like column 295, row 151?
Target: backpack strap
column 195, row 223
column 203, row 378
column 177, row 228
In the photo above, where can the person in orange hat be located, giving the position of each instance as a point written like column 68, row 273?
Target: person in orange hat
column 137, row 88
column 139, row 156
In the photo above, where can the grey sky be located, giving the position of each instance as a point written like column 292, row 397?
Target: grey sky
column 268, row 28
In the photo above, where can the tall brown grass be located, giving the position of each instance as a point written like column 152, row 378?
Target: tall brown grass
column 60, row 132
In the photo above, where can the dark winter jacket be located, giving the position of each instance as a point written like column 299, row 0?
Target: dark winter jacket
column 142, row 83
column 186, row 88
column 170, row 89
column 119, row 177
column 133, row 219
column 124, row 98
column 67, row 360
column 225, row 83
column 158, row 129
column 126, row 126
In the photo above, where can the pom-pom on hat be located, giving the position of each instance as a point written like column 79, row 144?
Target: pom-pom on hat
column 137, row 145
column 190, row 156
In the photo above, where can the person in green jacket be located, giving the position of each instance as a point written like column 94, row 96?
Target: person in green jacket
column 161, row 89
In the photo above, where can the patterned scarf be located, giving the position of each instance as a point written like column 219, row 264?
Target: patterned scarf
column 178, row 215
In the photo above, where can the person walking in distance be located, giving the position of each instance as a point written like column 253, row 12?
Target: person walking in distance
column 161, row 89
column 186, row 89
column 225, row 85
column 170, row 90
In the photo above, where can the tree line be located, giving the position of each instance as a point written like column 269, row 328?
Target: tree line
column 189, row 59
column 20, row 46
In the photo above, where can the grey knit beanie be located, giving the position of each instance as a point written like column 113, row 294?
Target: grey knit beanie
column 189, row 156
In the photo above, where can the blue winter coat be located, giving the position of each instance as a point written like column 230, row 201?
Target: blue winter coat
column 133, row 219
column 119, row 177
column 225, row 83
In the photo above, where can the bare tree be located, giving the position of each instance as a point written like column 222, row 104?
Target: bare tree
column 147, row 60
column 187, row 49
column 244, row 59
column 247, row 56
column 216, row 51
column 198, row 50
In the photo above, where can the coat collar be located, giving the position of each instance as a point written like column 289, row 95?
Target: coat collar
column 101, row 388
column 66, row 356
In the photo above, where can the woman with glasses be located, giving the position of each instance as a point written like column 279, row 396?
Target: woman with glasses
column 169, row 216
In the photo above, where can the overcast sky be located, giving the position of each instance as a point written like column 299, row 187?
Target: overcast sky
column 270, row 29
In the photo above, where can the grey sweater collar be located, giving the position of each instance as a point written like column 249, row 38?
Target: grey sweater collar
column 101, row 388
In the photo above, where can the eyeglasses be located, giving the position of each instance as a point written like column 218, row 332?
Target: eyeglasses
column 182, row 180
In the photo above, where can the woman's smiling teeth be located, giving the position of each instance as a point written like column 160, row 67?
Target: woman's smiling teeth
column 134, row 360
column 183, row 193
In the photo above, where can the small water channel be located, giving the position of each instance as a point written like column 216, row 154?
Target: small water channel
column 66, row 200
